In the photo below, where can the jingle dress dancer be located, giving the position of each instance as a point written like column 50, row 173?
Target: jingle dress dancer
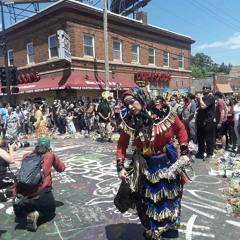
column 157, row 181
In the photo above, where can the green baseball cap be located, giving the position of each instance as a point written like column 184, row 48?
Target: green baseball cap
column 44, row 141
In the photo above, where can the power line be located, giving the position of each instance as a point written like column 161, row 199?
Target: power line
column 184, row 20
column 100, row 30
column 222, row 11
column 212, row 14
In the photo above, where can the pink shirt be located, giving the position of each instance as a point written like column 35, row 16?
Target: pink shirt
column 221, row 105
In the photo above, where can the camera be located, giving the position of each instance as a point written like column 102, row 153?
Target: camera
column 20, row 144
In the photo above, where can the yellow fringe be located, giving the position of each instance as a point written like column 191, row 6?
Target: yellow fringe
column 170, row 173
column 157, row 235
column 164, row 214
column 163, row 193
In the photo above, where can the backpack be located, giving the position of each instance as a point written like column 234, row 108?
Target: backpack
column 30, row 172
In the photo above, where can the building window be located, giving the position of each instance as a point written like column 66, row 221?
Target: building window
column 166, row 59
column 52, row 46
column 88, row 44
column 10, row 57
column 135, row 53
column 30, row 53
column 151, row 56
column 181, row 60
column 117, row 50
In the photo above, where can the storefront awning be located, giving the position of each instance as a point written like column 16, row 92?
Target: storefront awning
column 224, row 88
column 74, row 82
column 44, row 84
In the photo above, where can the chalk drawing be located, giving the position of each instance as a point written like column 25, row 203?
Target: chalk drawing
column 10, row 211
column 105, row 192
column 189, row 233
column 195, row 193
column 62, row 177
column 88, row 205
column 58, row 232
column 237, row 224
column 208, row 179
column 189, row 227
column 66, row 221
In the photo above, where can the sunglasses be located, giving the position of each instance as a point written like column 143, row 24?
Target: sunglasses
column 205, row 88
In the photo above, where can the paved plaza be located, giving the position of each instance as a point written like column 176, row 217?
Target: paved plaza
column 84, row 196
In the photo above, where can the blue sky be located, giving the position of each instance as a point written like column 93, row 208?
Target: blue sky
column 213, row 24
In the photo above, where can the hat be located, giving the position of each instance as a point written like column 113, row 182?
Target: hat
column 44, row 141
column 207, row 85
column 218, row 94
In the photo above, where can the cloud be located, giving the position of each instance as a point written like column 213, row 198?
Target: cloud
column 232, row 43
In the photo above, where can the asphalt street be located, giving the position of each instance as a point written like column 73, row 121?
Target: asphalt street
column 84, row 196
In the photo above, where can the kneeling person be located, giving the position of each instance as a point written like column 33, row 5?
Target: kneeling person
column 40, row 201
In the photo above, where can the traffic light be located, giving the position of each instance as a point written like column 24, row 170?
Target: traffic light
column 4, row 90
column 13, row 76
column 3, row 76
column 15, row 90
column 12, row 90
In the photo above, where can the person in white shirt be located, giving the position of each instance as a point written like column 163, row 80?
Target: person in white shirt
column 236, row 112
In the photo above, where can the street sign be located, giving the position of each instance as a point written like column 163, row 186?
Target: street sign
column 64, row 46
column 117, row 86
column 107, row 94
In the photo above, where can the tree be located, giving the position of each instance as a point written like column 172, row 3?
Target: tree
column 203, row 66
column 196, row 72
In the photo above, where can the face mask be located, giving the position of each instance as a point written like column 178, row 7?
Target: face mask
column 181, row 104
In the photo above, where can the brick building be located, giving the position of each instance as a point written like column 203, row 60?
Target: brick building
column 59, row 53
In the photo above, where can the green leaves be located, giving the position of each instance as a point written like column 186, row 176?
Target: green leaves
column 203, row 66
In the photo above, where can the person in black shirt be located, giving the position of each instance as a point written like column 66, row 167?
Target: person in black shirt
column 6, row 158
column 105, row 113
column 55, row 114
column 205, row 122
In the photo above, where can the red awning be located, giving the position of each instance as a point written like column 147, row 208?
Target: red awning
column 44, row 84
column 74, row 82
column 83, row 82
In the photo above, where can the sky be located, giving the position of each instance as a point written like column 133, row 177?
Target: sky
column 214, row 25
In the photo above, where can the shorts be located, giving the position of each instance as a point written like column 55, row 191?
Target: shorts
column 106, row 127
column 222, row 130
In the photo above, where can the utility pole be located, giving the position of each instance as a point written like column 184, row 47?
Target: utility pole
column 105, row 29
column 5, row 55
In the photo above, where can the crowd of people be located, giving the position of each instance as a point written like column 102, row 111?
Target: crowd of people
column 61, row 117
column 211, row 120
column 150, row 124
column 213, row 112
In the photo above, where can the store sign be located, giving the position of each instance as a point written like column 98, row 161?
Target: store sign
column 146, row 76
column 64, row 46
column 107, row 94
column 28, row 78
